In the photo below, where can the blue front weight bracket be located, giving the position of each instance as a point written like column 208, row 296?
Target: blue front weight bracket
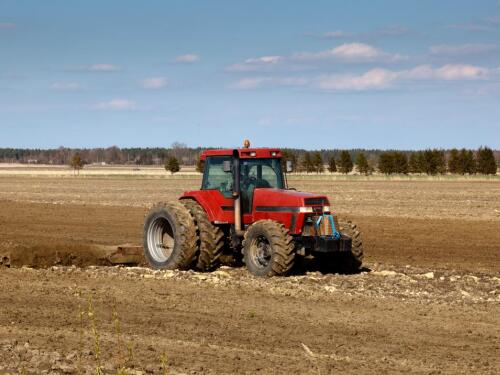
column 336, row 233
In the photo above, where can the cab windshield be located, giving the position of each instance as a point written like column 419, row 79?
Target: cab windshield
column 261, row 173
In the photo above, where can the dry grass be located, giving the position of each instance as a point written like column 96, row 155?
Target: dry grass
column 473, row 199
column 158, row 171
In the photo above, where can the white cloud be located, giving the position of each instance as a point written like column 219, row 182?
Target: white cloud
column 98, row 68
column 486, row 24
column 337, row 34
column 460, row 72
column 7, row 25
column 265, row 60
column 468, row 27
column 187, row 59
column 154, row 83
column 117, row 104
column 374, row 79
column 258, row 82
column 351, row 52
column 265, row 121
column 388, row 31
column 256, row 64
column 449, row 72
column 464, row 49
column 250, row 83
column 395, row 30
column 495, row 20
column 66, row 86
column 103, row 68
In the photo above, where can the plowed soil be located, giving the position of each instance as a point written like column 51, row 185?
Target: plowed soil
column 428, row 301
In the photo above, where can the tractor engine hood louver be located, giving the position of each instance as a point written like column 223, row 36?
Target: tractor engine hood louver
column 288, row 198
column 316, row 202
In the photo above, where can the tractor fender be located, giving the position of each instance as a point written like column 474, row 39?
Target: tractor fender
column 219, row 209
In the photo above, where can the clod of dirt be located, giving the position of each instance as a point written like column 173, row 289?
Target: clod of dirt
column 66, row 255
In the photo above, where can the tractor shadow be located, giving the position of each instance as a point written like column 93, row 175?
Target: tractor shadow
column 326, row 266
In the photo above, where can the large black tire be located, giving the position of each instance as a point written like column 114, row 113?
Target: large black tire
column 268, row 249
column 210, row 237
column 349, row 262
column 355, row 258
column 169, row 237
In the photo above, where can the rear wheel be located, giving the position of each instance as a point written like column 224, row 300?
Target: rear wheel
column 268, row 249
column 169, row 236
column 210, row 237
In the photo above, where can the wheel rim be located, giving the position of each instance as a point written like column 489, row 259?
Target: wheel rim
column 160, row 239
column 260, row 252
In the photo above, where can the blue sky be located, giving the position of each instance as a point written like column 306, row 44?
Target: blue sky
column 311, row 74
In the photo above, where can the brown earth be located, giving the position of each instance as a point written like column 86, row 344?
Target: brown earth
column 431, row 303
column 386, row 321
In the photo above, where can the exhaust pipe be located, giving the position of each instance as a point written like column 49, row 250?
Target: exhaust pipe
column 237, row 193
column 237, row 215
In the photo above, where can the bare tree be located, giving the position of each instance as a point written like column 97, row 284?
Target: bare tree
column 77, row 163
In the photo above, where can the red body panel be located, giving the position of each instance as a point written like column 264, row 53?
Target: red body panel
column 274, row 204
column 218, row 208
column 267, row 201
column 280, row 197
column 245, row 153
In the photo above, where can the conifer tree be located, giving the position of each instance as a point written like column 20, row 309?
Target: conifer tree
column 414, row 164
column 486, row 163
column 172, row 164
column 307, row 163
column 345, row 164
column 362, row 163
column 332, row 165
column 386, row 163
column 454, row 161
column 318, row 162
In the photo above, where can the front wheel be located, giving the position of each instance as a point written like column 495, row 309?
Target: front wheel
column 268, row 249
column 354, row 258
column 346, row 262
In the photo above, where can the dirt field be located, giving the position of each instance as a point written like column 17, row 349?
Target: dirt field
column 431, row 303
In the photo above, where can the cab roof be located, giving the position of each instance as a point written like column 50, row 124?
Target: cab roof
column 245, row 153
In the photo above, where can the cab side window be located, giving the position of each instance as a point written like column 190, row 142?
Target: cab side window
column 214, row 177
column 269, row 175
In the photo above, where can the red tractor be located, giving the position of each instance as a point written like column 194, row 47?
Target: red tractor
column 245, row 208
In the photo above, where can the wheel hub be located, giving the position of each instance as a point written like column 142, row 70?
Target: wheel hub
column 261, row 252
column 160, row 239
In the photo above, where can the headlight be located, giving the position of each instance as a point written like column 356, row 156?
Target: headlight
column 326, row 208
column 306, row 210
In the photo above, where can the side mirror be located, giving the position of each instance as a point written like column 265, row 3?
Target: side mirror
column 289, row 166
column 226, row 166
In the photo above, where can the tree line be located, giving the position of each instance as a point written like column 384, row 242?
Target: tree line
column 431, row 162
column 464, row 161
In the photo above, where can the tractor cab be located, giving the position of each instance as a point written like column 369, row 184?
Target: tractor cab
column 254, row 173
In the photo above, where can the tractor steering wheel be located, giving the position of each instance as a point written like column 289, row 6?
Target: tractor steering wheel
column 249, row 181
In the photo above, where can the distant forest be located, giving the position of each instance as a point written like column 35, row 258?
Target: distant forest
column 157, row 156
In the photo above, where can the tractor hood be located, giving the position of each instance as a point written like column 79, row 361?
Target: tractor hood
column 287, row 198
